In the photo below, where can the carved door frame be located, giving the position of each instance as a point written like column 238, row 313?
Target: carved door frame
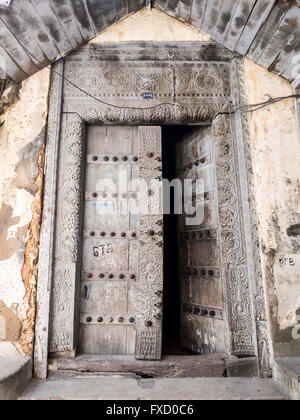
column 207, row 65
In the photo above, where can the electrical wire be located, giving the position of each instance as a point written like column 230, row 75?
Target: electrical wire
column 238, row 110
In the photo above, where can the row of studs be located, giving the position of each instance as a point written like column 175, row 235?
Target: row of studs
column 107, row 320
column 107, row 158
column 110, row 276
column 115, row 235
column 200, row 234
column 203, row 311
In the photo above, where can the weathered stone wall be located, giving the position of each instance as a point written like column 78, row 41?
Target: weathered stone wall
column 275, row 147
column 23, row 115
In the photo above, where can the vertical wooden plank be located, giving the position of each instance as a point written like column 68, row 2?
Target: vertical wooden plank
column 281, row 36
column 286, row 60
column 150, row 287
column 197, row 13
column 81, row 14
column 52, row 25
column 238, row 22
column 210, row 17
column 256, row 20
column 267, row 30
column 224, row 20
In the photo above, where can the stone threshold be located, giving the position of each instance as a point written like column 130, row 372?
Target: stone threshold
column 205, row 366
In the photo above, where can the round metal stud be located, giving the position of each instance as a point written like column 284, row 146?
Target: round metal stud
column 92, row 233
column 121, row 319
column 112, row 234
column 212, row 313
column 133, row 235
column 131, row 320
column 115, row 159
column 121, row 277
column 133, row 276
column 111, row 276
column 101, row 276
column 106, row 158
column 111, row 319
column 135, row 159
column 90, row 275
column 125, row 158
column 150, row 155
column 100, row 319
column 89, row 319
column 95, row 158
column 94, row 195
column 123, row 235
column 102, row 234
column 149, row 324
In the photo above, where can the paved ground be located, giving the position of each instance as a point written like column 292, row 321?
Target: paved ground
column 128, row 387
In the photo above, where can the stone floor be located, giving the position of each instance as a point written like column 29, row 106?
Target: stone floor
column 92, row 386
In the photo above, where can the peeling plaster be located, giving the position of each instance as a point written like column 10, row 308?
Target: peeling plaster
column 275, row 148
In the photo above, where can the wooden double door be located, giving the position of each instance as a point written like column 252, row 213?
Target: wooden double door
column 122, row 284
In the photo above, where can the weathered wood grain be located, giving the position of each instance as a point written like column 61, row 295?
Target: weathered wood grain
column 256, row 20
column 170, row 366
column 287, row 27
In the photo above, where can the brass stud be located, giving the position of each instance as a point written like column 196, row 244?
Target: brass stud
column 135, row 159
column 125, row 158
column 133, row 276
column 89, row 319
column 131, row 320
column 95, row 158
column 121, row 319
column 90, row 275
column 102, row 234
column 101, row 276
column 113, row 234
column 106, row 158
column 111, row 319
column 94, row 195
column 111, row 276
column 133, row 235
column 121, row 276
column 100, row 319
column 115, row 159
column 123, row 235
column 92, row 233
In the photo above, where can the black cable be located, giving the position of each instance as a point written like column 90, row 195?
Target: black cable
column 241, row 109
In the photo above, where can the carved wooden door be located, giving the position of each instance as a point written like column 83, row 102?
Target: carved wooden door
column 121, row 286
column 202, row 325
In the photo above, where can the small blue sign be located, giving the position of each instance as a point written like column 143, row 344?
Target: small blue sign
column 148, row 95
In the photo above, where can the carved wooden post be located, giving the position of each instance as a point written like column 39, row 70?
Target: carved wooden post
column 47, row 229
column 235, row 272
column 150, row 288
column 67, row 256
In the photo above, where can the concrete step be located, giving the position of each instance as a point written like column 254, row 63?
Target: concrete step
column 90, row 386
column 205, row 366
column 15, row 375
column 287, row 373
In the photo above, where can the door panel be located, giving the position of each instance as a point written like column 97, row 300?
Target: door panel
column 110, row 260
column 122, row 284
column 202, row 325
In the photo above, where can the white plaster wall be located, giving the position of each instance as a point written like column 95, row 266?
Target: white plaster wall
column 19, row 146
column 275, row 146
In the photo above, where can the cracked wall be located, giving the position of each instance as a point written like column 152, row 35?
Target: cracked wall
column 23, row 116
column 275, row 146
